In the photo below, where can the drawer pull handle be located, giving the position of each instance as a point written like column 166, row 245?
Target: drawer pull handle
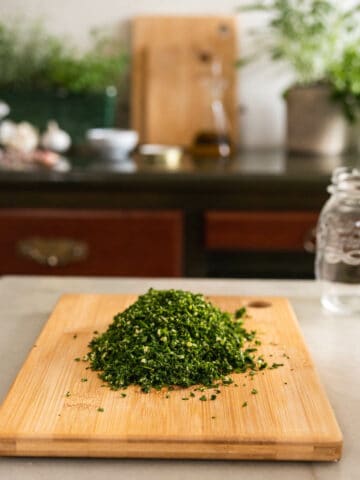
column 53, row 252
column 310, row 241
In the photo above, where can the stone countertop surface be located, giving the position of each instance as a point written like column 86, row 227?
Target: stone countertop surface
column 26, row 303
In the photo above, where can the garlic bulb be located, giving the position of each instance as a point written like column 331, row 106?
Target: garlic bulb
column 23, row 136
column 55, row 139
column 4, row 109
column 7, row 130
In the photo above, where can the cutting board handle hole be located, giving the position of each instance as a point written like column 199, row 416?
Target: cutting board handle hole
column 259, row 304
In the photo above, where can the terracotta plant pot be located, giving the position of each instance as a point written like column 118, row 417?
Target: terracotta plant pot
column 315, row 123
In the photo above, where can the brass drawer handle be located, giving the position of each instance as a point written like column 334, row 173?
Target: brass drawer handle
column 53, row 252
column 310, row 241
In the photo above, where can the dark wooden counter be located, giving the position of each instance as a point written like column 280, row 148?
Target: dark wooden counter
column 257, row 180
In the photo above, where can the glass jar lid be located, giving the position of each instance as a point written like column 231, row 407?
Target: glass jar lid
column 345, row 180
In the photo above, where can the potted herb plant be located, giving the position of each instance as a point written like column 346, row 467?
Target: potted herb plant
column 345, row 83
column 43, row 77
column 311, row 36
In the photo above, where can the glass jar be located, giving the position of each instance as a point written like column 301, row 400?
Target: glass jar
column 337, row 264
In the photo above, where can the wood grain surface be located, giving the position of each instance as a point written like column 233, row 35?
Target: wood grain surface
column 168, row 92
column 289, row 418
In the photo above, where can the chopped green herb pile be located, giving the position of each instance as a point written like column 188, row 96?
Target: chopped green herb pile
column 172, row 338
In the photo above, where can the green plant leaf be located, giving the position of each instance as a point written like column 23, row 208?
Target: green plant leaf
column 31, row 58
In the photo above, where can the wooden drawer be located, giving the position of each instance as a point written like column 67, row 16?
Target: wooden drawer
column 265, row 231
column 91, row 242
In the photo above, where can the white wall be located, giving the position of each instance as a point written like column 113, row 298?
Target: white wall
column 260, row 84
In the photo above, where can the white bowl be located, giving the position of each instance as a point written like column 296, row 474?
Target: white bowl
column 112, row 143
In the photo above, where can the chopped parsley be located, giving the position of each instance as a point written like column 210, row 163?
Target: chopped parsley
column 240, row 313
column 173, row 338
column 276, row 365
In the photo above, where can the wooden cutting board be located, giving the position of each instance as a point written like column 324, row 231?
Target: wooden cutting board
column 168, row 96
column 289, row 418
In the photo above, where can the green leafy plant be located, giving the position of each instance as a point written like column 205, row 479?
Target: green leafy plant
column 345, row 81
column 31, row 58
column 309, row 35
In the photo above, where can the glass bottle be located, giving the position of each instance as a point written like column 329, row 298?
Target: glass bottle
column 213, row 138
column 337, row 264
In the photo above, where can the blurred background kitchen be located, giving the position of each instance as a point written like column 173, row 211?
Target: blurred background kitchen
column 163, row 139
column 261, row 85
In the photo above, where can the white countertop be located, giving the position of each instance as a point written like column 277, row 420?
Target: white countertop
column 26, row 303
